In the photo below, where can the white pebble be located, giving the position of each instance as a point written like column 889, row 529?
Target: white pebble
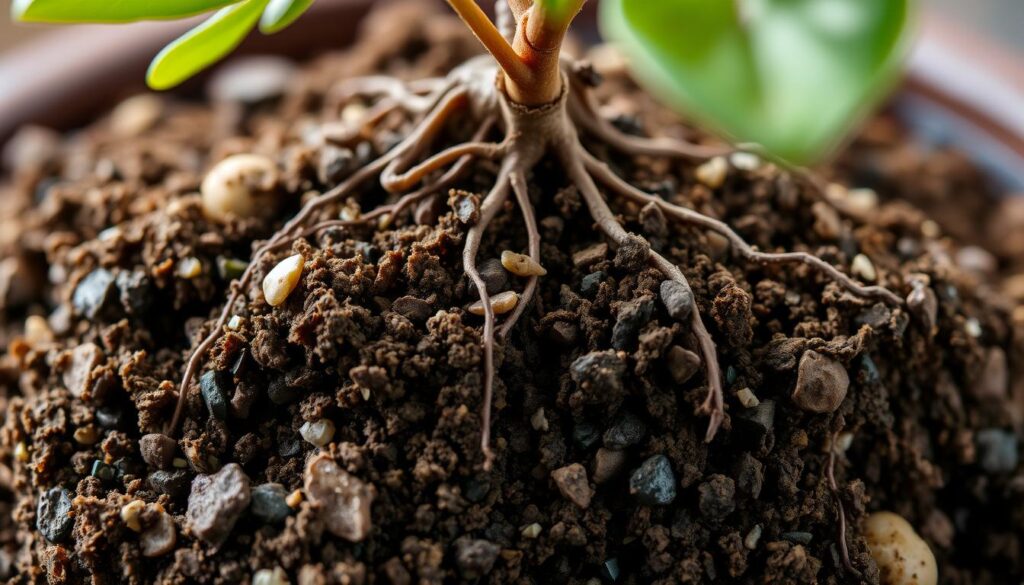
column 930, row 229
column 235, row 323
column 232, row 187
column 130, row 513
column 862, row 200
column 282, row 280
column 159, row 539
column 135, row 115
column 317, row 433
column 747, row 398
column 713, row 172
column 539, row 421
column 353, row 113
column 501, row 303
column 973, row 327
column 521, row 264
column 37, row 330
column 275, row 576
column 903, row 557
column 531, row 531
column 863, row 268
column 189, row 268
column 745, row 161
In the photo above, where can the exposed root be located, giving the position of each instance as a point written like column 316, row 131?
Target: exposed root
column 830, row 473
column 530, row 133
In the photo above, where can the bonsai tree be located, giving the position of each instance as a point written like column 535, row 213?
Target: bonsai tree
column 792, row 76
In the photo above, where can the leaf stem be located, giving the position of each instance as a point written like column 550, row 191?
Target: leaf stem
column 477, row 21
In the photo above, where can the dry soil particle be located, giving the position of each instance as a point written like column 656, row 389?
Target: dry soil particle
column 105, row 236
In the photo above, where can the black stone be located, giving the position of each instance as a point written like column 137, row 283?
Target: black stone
column 757, row 421
column 627, row 431
column 997, row 450
column 102, row 471
column 476, row 489
column 798, row 537
column 585, row 434
column 610, row 570
column 599, row 372
column 678, row 300
column 335, row 164
column 494, row 275
column 53, row 517
column 654, row 483
column 109, row 418
column 591, row 282
column 94, row 294
column 412, row 308
column 136, row 292
column 632, row 316
column 215, row 386
column 269, row 504
column 172, row 483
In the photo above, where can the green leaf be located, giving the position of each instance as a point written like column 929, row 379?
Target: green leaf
column 281, row 13
column 110, row 10
column 204, row 45
column 792, row 75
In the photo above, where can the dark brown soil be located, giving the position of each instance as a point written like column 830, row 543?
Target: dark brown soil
column 601, row 474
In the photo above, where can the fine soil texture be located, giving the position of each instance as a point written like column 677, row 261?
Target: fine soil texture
column 335, row 436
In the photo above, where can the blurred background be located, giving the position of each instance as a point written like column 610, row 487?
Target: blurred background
column 1003, row 19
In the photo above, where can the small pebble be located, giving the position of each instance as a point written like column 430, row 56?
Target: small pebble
column 585, row 434
column 752, row 538
column 531, row 531
column 745, row 161
column 930, row 229
column 591, row 282
column 607, row 464
column 466, row 206
column 294, row 499
column 270, row 503
column 501, row 303
column 590, row 255
column 862, row 201
column 318, row 433
column 682, row 363
column 863, row 268
column 102, row 471
column 37, row 330
column 94, row 294
column 493, row 274
column 275, row 576
column 630, row 318
column 171, row 483
column 573, row 484
column 282, row 280
column 747, row 398
column 130, row 513
column 678, row 300
column 654, row 483
column 827, row 224
column 598, row 372
column 610, row 569
column 344, row 499
column 924, row 305
column 160, row 537
column 78, row 377
column 136, row 115
column 21, row 452
column 538, row 421
column 412, row 308
column 803, row 538
column 475, row 557
column 334, row 164
column 215, row 386
column 216, row 503
column 189, row 268
column 53, row 515
column 628, row 430
column 713, row 172
column 233, row 188
column 903, row 557
column 86, row 435
column 997, row 450
column 821, row 383
column 235, row 323
column 756, row 422
column 973, row 328
column 521, row 264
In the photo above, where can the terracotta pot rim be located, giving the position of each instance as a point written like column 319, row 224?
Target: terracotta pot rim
column 71, row 73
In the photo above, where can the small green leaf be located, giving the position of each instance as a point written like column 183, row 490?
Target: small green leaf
column 281, row 13
column 791, row 75
column 110, row 10
column 204, row 45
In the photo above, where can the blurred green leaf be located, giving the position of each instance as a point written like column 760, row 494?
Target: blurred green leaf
column 281, row 13
column 791, row 75
column 204, row 45
column 110, row 10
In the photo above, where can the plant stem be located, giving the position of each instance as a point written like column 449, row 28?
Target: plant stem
column 531, row 63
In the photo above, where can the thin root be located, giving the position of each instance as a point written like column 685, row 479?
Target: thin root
column 533, row 247
column 844, row 549
column 714, row 403
column 604, row 174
